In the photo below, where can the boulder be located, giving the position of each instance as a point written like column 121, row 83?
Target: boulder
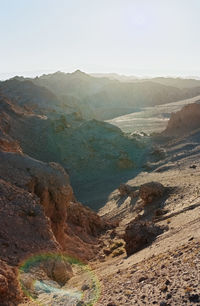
column 138, row 234
column 124, row 190
column 150, row 191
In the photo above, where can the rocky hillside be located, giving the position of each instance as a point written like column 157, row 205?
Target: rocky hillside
column 142, row 246
column 184, row 121
column 158, row 215
column 88, row 150
column 104, row 98
column 38, row 213
column 151, row 257
column 29, row 96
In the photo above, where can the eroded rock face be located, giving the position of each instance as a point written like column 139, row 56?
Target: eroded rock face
column 39, row 213
column 184, row 121
column 10, row 293
column 151, row 191
column 86, row 219
column 83, row 225
column 48, row 181
column 24, row 228
column 58, row 270
column 139, row 234
column 75, row 227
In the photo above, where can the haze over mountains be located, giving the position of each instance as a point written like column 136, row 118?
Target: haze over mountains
column 48, row 130
column 104, row 98
column 54, row 117
column 52, row 132
column 99, row 153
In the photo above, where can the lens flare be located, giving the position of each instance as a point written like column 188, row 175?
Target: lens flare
column 58, row 279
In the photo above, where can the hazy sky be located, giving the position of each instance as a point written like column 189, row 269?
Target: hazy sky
column 138, row 37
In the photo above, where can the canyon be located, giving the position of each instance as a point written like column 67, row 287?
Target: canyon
column 138, row 241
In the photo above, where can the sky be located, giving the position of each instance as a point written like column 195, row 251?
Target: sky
column 131, row 37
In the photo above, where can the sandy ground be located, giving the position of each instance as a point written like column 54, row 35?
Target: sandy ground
column 150, row 119
column 168, row 271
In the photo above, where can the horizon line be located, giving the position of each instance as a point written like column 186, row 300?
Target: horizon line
column 38, row 73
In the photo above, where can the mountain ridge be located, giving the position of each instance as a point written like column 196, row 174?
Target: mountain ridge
column 103, row 99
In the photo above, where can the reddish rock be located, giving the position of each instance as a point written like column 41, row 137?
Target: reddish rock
column 3, row 285
column 10, row 293
column 38, row 210
column 75, row 227
column 184, row 121
column 83, row 225
column 7, row 145
column 79, row 216
column 24, row 228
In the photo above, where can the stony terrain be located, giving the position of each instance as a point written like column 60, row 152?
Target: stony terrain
column 166, row 272
column 170, row 278
column 39, row 214
column 143, row 245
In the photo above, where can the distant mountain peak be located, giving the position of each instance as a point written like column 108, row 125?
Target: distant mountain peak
column 79, row 73
column 59, row 72
column 60, row 75
column 18, row 78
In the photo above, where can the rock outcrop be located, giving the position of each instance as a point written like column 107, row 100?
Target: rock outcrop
column 83, row 225
column 10, row 293
column 38, row 211
column 49, row 186
column 151, row 191
column 58, row 270
column 24, row 228
column 48, row 182
column 139, row 234
column 184, row 121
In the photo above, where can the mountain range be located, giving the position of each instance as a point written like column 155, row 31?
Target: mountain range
column 103, row 98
